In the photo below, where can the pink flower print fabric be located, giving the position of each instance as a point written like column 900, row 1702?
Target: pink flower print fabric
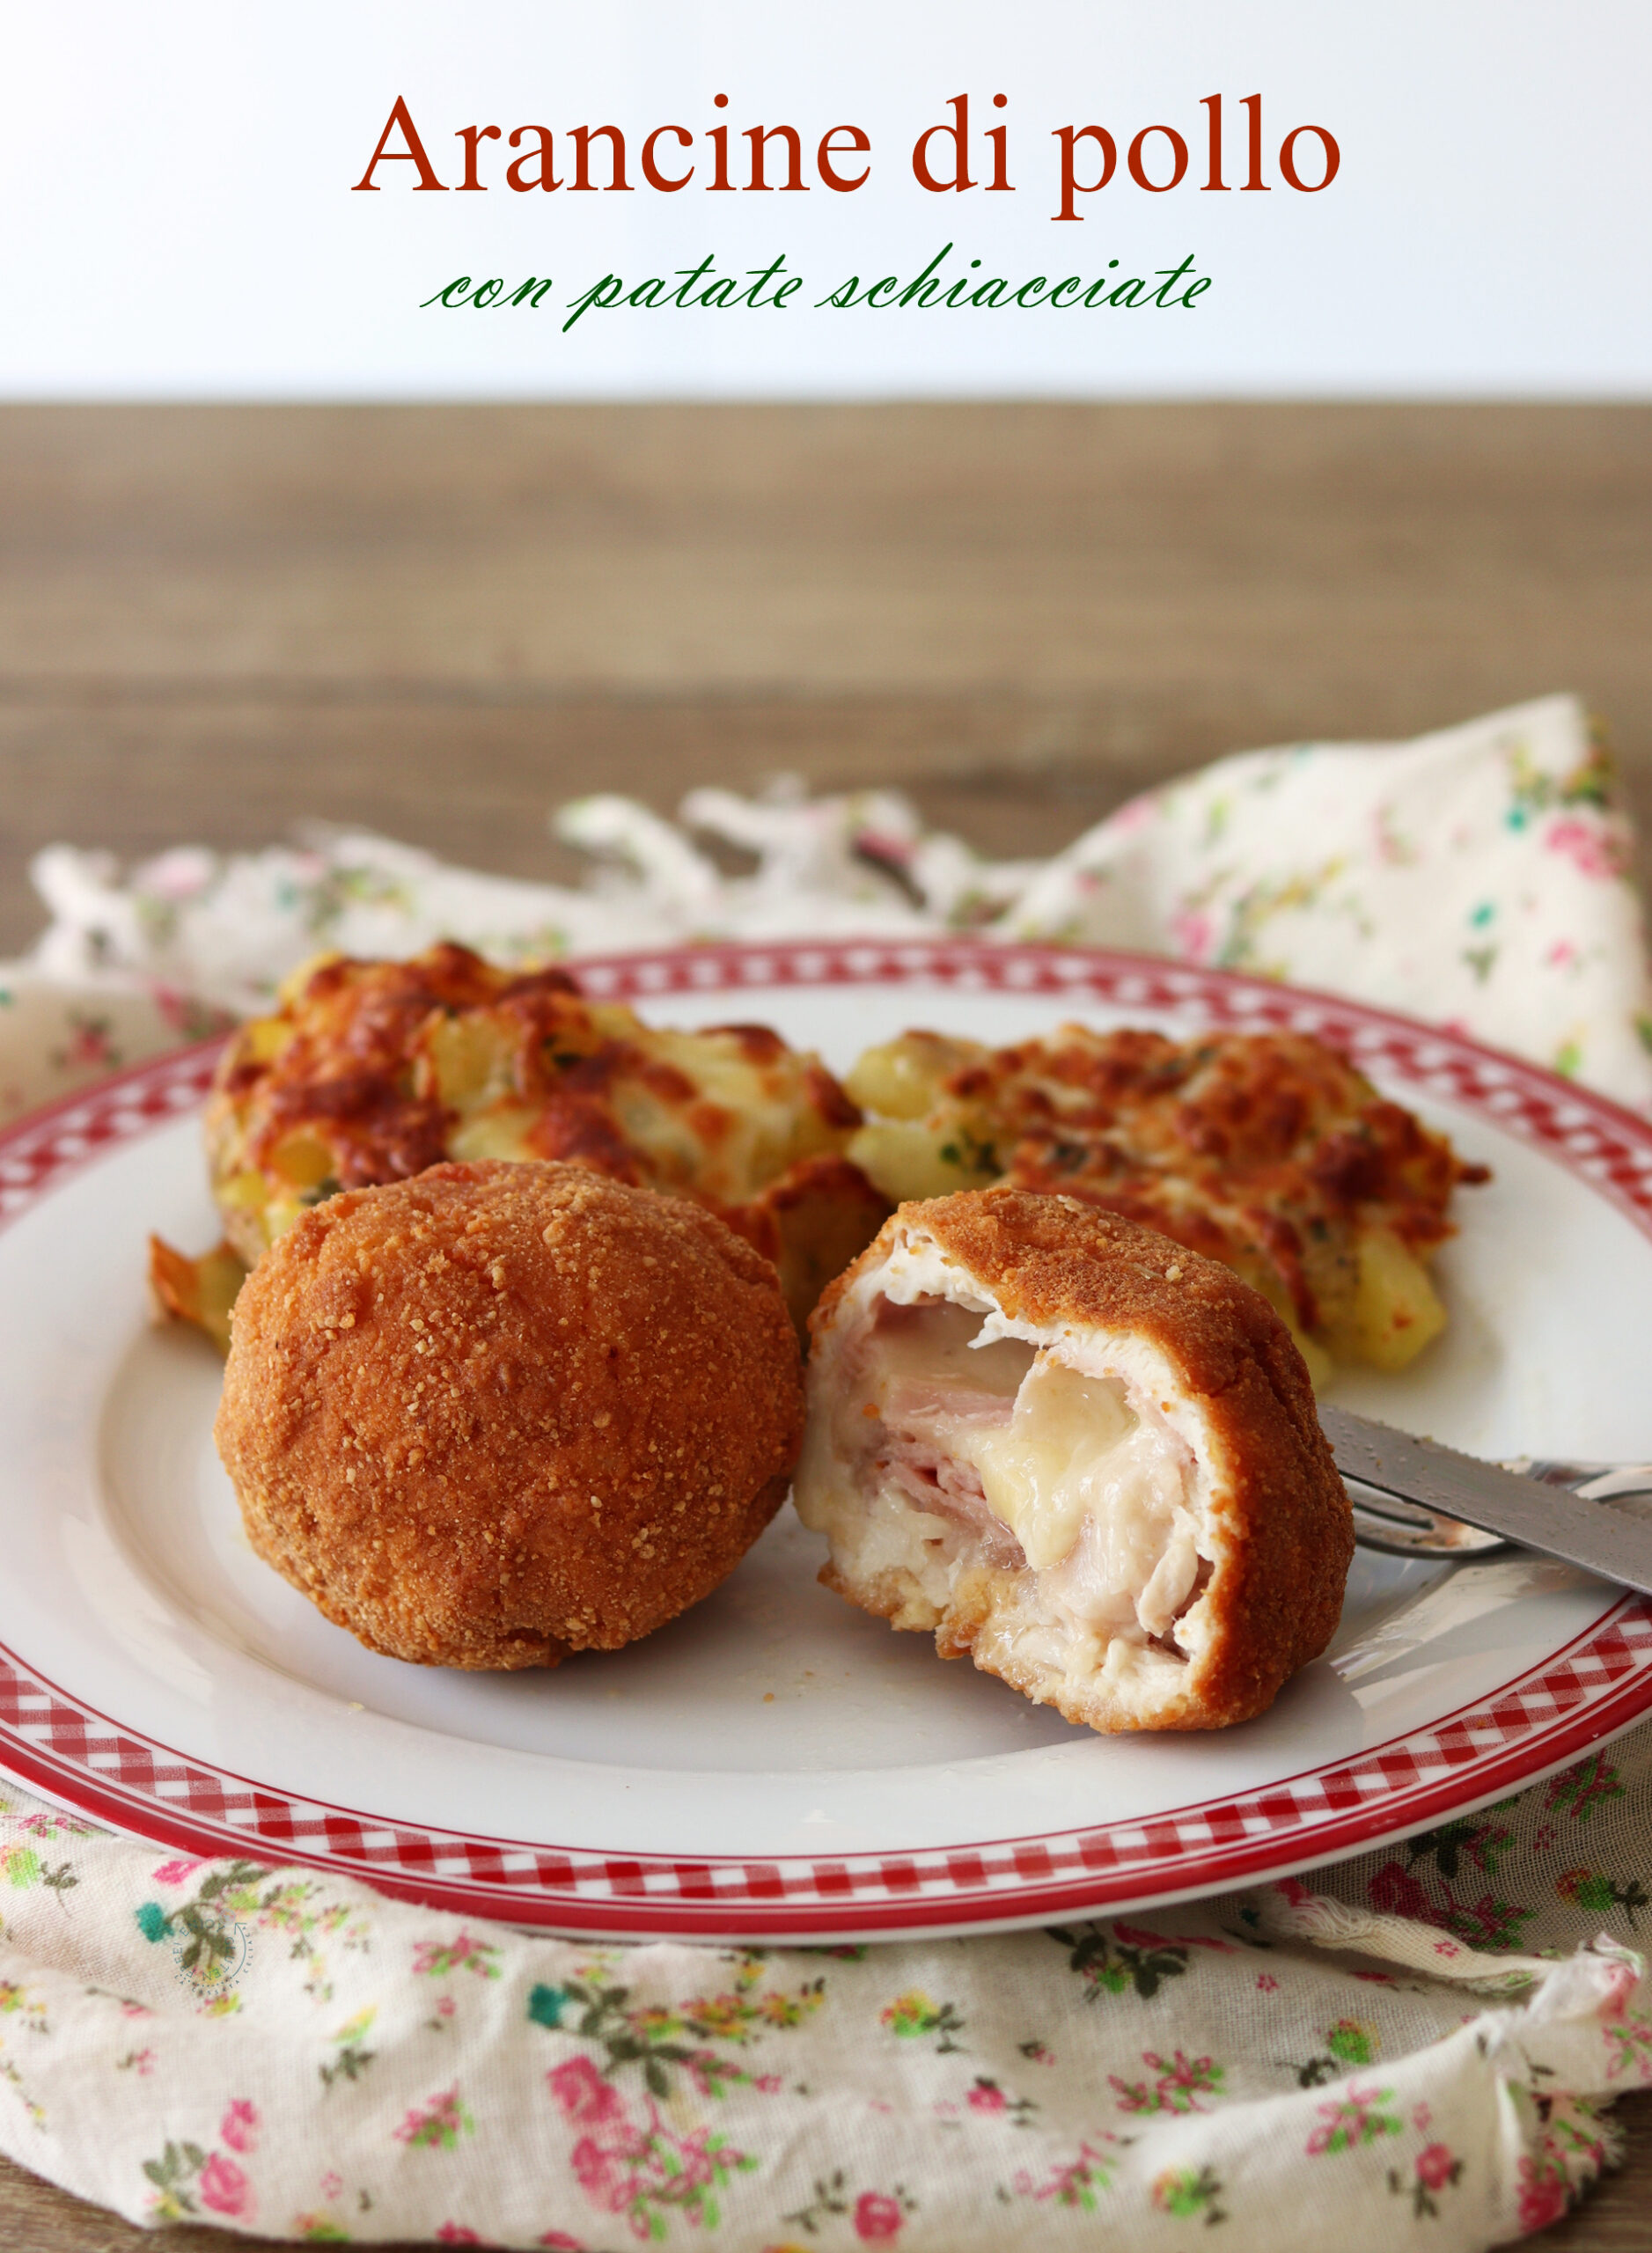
column 1479, row 877
column 1431, row 2035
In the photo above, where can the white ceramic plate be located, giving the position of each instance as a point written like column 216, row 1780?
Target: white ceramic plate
column 777, row 1763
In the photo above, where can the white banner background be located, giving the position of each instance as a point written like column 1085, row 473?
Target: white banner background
column 177, row 216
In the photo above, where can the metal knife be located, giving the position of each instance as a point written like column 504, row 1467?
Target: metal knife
column 1563, row 1509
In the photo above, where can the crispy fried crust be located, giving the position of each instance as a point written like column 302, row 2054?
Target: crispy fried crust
column 1275, row 1593
column 506, row 1411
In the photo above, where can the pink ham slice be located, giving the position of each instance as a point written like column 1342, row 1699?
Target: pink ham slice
column 906, row 1442
column 949, row 1489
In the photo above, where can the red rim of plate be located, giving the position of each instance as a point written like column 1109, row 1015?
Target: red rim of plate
column 1534, row 1723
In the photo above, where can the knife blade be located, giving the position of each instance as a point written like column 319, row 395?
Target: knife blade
column 1539, row 1516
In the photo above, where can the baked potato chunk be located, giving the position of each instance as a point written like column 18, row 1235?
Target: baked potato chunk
column 371, row 1072
column 1267, row 1151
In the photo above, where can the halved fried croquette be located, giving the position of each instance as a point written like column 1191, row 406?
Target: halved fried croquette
column 1081, row 1453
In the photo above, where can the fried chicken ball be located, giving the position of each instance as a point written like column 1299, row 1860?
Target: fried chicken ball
column 1081, row 1453
column 503, row 1412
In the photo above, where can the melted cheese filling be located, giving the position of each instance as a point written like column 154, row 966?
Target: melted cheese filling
column 1095, row 1494
column 1072, row 1451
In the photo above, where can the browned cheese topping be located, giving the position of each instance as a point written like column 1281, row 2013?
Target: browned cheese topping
column 1268, row 1151
column 369, row 1072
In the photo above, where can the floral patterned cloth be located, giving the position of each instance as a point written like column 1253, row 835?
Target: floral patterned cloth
column 1479, row 877
column 1428, row 2035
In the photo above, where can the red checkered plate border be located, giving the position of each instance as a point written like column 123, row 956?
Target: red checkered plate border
column 1579, row 1696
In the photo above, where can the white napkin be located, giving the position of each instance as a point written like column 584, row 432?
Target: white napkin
column 1479, row 877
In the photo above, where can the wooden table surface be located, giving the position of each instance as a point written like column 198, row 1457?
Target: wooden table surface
column 216, row 622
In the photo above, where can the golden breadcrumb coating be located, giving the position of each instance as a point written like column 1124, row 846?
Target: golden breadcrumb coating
column 1197, row 1353
column 503, row 1412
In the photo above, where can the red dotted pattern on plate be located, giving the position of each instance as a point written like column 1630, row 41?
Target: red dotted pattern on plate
column 1531, row 1726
